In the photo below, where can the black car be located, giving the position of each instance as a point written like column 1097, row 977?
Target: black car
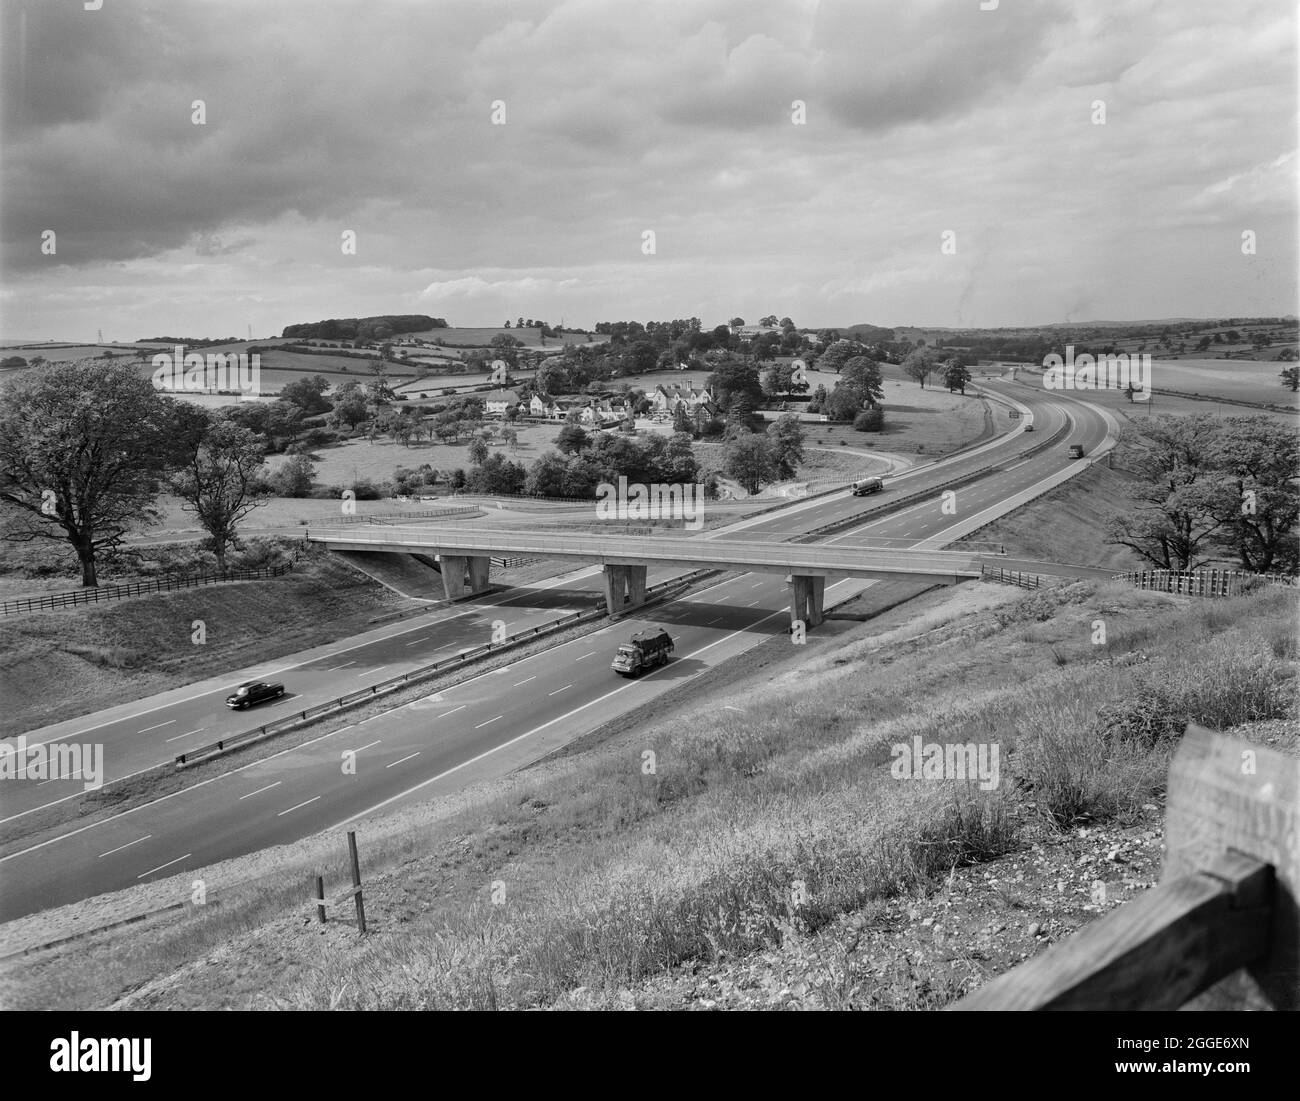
column 253, row 691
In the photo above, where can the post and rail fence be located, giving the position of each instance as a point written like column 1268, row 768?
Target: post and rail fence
column 1223, row 925
column 1202, row 582
column 137, row 588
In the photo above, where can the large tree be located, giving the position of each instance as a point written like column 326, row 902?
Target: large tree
column 919, row 364
column 220, row 482
column 955, row 376
column 733, row 378
column 751, row 461
column 863, row 373
column 1261, row 456
column 786, row 434
column 84, row 450
column 1181, row 496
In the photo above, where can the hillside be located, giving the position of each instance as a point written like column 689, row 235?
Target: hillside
column 771, row 858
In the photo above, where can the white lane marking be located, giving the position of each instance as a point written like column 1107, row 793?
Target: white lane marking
column 293, row 808
column 488, row 723
column 559, row 690
column 756, row 584
column 728, row 707
column 178, row 737
column 158, row 727
column 126, row 846
column 260, row 790
column 712, row 621
column 518, row 683
column 586, row 655
column 419, row 640
column 406, row 758
column 162, row 866
column 368, row 745
column 336, row 668
column 453, row 711
column 369, row 671
column 538, row 729
column 751, row 605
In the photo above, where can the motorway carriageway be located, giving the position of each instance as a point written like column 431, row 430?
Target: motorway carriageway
column 497, row 720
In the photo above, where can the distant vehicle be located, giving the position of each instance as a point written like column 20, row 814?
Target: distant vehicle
column 251, row 692
column 1029, row 428
column 1076, row 451
column 644, row 650
column 867, row 485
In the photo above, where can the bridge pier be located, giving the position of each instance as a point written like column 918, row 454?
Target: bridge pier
column 464, row 574
column 624, row 586
column 807, row 596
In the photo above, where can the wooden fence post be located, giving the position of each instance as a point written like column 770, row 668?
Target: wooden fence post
column 320, row 899
column 1225, row 793
column 356, row 880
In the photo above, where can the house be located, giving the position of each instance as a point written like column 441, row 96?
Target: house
column 666, row 399
column 496, row 402
column 537, row 407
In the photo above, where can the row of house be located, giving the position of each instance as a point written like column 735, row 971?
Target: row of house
column 665, row 401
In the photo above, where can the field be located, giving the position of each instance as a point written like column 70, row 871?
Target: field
column 482, row 337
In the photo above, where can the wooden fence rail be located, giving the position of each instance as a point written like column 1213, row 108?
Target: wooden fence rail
column 1224, row 919
column 137, row 588
column 1202, row 582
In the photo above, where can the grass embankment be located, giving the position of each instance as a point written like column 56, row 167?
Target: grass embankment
column 1066, row 524
column 611, row 878
column 62, row 663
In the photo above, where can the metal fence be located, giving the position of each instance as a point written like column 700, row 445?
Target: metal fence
column 137, row 588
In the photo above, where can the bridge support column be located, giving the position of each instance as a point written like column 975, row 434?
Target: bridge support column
column 624, row 586
column 464, row 574
column 807, row 596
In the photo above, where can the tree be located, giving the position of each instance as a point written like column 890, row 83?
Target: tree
column 294, row 478
column 1262, row 459
column 84, row 450
column 220, row 483
column 1181, row 496
column 546, row 476
column 552, row 378
column 511, row 438
column 749, row 459
column 863, row 373
column 918, row 365
column 571, row 439
column 733, row 378
column 786, row 435
column 1291, row 378
column 497, row 474
column 844, row 402
column 457, row 479
column 869, row 420
column 349, row 405
column 737, row 322
column 682, row 419
column 308, row 394
column 838, row 354
column 478, row 450
column 768, row 321
column 818, row 402
column 506, row 347
column 786, row 323
column 955, row 376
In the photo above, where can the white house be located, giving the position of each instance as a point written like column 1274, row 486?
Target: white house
column 496, row 402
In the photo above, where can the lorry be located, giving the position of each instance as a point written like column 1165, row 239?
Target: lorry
column 867, row 485
column 251, row 692
column 1076, row 451
column 644, row 650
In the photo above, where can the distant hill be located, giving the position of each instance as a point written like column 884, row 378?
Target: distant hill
column 380, row 327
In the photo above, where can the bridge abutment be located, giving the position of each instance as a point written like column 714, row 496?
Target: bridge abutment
column 464, row 574
column 624, row 586
column 807, row 599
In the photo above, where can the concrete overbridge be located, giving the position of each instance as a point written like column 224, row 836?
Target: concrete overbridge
column 465, row 559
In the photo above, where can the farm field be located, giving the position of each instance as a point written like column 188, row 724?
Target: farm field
column 1230, row 380
column 482, row 337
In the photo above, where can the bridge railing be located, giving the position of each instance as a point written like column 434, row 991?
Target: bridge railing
column 1225, row 909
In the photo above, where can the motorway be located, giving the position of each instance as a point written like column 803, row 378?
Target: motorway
column 487, row 721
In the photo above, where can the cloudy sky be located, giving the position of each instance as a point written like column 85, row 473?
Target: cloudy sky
column 920, row 119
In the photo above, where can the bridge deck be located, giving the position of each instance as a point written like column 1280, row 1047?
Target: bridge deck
column 815, row 559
